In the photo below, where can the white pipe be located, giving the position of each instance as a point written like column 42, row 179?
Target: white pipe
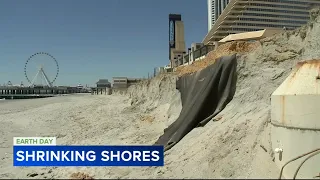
column 278, row 150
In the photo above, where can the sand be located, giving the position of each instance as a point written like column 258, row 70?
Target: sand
column 226, row 149
column 236, row 146
column 75, row 120
column 240, row 47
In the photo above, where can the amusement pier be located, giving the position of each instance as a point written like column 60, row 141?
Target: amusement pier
column 45, row 88
column 36, row 89
column 15, row 92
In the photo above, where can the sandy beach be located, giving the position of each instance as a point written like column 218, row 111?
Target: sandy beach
column 238, row 145
column 74, row 120
column 137, row 117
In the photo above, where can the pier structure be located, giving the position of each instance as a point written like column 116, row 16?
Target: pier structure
column 14, row 92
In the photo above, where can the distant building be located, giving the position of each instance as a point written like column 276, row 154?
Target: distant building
column 176, row 38
column 246, row 16
column 124, row 82
column 120, row 82
column 215, row 8
column 80, row 86
column 103, row 87
column 103, row 83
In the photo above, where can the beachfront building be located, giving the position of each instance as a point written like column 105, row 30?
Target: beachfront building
column 120, row 82
column 124, row 82
column 103, row 83
column 253, row 15
column 215, row 8
column 103, row 87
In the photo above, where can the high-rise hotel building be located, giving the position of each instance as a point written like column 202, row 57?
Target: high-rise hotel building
column 253, row 15
column 215, row 8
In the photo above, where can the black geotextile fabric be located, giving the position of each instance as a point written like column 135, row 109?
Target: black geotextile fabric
column 203, row 94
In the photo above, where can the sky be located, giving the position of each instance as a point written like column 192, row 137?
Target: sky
column 92, row 39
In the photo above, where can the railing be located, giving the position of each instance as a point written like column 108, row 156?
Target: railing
column 187, row 58
column 204, row 50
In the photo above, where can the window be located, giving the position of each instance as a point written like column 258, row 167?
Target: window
column 276, row 10
column 276, row 15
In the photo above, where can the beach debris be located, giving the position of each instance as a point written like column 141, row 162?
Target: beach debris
column 80, row 175
column 32, row 174
column 263, row 148
column 218, row 118
column 147, row 118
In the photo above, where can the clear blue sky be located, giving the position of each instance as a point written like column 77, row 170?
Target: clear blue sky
column 93, row 39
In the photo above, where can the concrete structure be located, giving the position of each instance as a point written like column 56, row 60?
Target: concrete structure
column 194, row 48
column 295, row 119
column 215, row 8
column 103, row 87
column 254, row 15
column 176, row 38
column 120, row 82
column 254, row 35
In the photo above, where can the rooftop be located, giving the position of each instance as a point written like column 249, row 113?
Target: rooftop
column 103, row 81
column 119, row 78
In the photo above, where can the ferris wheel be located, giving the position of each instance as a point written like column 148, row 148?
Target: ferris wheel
column 40, row 68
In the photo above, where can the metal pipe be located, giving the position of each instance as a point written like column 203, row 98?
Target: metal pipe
column 310, row 156
column 296, row 159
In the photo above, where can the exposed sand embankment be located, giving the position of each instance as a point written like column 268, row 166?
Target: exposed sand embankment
column 239, row 146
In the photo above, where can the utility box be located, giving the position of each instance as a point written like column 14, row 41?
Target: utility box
column 295, row 119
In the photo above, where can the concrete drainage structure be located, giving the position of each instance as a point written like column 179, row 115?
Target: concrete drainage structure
column 295, row 119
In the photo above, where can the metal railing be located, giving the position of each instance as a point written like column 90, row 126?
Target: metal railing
column 187, row 58
column 204, row 50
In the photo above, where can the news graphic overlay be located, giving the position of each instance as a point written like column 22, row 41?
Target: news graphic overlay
column 43, row 151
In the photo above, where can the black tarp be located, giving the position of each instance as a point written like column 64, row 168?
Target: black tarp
column 203, row 95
